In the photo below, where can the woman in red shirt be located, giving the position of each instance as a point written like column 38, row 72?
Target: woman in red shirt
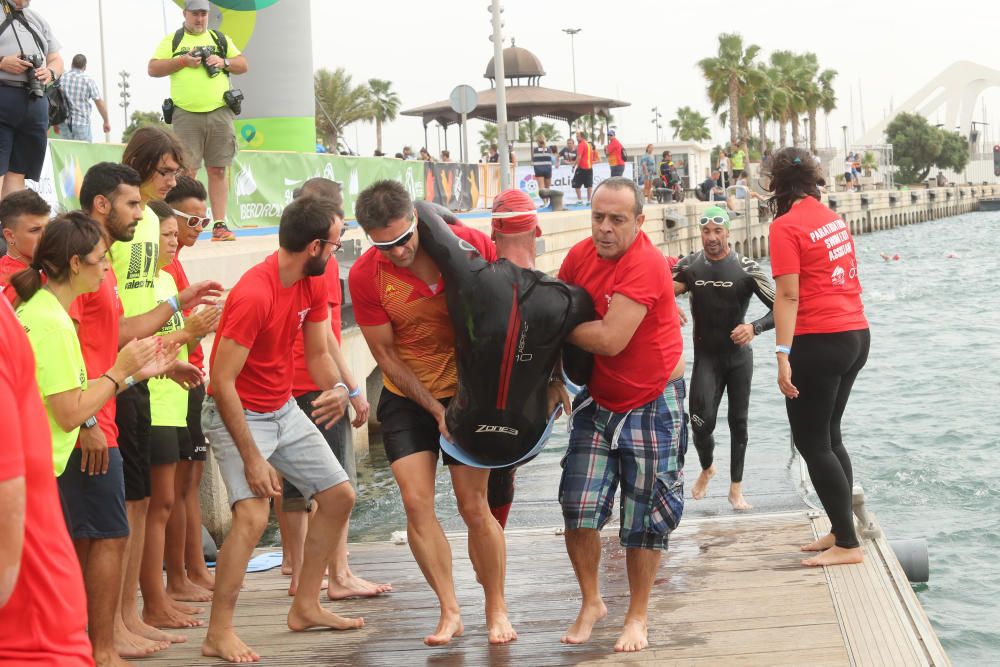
column 822, row 338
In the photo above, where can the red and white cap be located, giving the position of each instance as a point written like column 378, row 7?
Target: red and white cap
column 514, row 212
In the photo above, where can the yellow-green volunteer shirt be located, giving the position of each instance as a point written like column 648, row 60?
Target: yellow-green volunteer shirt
column 737, row 159
column 59, row 364
column 191, row 88
column 134, row 264
column 168, row 401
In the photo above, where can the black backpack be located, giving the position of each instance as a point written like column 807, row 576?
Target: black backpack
column 625, row 157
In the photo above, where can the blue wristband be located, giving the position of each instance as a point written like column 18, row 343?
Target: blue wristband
column 782, row 348
column 354, row 393
column 174, row 303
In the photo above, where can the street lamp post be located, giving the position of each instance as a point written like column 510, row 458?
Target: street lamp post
column 501, row 84
column 124, row 93
column 572, row 49
column 844, row 128
column 104, row 61
column 656, row 121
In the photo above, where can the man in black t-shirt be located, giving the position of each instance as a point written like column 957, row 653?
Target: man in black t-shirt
column 567, row 156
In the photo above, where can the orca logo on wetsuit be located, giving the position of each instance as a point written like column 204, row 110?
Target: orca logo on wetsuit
column 521, row 354
column 713, row 283
column 466, row 246
column 489, row 428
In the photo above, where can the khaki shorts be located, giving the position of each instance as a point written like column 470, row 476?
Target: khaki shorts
column 207, row 136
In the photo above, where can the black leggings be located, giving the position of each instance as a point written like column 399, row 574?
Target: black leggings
column 824, row 367
column 712, row 374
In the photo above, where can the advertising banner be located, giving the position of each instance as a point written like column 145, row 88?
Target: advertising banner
column 562, row 179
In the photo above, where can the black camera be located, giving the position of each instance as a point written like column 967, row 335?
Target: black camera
column 35, row 87
column 234, row 100
column 204, row 52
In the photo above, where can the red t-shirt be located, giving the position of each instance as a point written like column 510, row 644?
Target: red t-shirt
column 97, row 316
column 615, row 153
column 45, row 620
column 585, row 155
column 639, row 373
column 382, row 293
column 302, row 383
column 8, row 267
column 265, row 317
column 174, row 268
column 814, row 242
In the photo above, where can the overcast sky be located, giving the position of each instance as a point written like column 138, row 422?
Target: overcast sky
column 640, row 51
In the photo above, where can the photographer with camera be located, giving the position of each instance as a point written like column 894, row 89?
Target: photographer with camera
column 29, row 61
column 199, row 61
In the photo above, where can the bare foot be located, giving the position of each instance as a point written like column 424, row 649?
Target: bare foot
column 450, row 625
column 312, row 615
column 229, row 647
column 822, row 544
column 700, row 487
column 188, row 591
column 736, row 498
column 633, row 637
column 205, row 579
column 499, row 629
column 137, row 627
column 168, row 618
column 341, row 588
column 589, row 614
column 185, row 609
column 110, row 659
column 130, row 645
column 836, row 556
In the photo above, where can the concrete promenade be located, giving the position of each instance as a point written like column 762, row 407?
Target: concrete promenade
column 673, row 227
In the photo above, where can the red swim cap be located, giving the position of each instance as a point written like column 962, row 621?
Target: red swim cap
column 514, row 212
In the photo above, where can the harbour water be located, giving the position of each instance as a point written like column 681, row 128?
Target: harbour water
column 918, row 427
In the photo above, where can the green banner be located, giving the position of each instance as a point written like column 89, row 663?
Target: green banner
column 261, row 182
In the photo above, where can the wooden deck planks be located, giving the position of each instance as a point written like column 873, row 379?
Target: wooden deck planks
column 731, row 591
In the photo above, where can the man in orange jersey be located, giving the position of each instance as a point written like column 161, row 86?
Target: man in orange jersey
column 399, row 303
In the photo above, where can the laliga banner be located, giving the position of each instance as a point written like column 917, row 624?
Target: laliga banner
column 562, row 179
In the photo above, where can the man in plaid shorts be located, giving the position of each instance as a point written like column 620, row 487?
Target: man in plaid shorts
column 628, row 425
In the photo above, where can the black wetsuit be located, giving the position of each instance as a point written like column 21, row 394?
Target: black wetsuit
column 510, row 324
column 720, row 294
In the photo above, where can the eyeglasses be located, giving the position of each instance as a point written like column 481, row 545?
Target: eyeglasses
column 718, row 219
column 400, row 241
column 193, row 221
column 167, row 173
column 337, row 245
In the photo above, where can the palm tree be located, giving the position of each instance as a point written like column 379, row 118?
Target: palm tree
column 338, row 104
column 548, row 132
column 787, row 75
column 731, row 71
column 384, row 103
column 827, row 101
column 487, row 137
column 690, row 125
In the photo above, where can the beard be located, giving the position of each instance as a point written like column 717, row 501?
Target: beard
column 316, row 266
column 119, row 230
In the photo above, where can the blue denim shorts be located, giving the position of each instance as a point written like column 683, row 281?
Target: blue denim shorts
column 643, row 450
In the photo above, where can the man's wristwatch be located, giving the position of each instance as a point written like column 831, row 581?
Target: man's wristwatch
column 90, row 423
column 757, row 330
column 225, row 64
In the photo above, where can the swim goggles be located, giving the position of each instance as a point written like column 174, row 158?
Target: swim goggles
column 718, row 219
column 397, row 242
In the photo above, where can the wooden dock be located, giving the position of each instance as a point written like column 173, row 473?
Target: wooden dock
column 731, row 591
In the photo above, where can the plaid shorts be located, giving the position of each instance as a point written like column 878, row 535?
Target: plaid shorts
column 643, row 449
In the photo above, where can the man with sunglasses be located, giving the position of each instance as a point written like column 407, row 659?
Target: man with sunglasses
column 399, row 303
column 721, row 283
column 256, row 428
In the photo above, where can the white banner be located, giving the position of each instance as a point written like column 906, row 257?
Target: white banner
column 562, row 179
